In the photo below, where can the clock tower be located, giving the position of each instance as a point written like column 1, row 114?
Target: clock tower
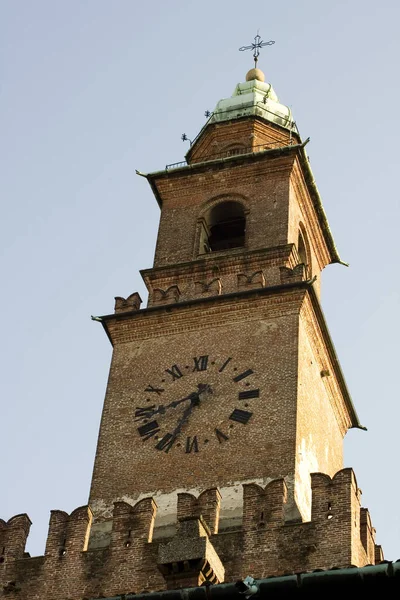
column 220, row 451
column 228, row 378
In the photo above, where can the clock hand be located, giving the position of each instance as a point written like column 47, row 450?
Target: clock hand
column 149, row 412
column 195, row 399
column 176, row 403
column 185, row 417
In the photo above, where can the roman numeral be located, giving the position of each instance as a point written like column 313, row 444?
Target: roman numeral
column 175, row 372
column 166, row 442
column 150, row 388
column 191, row 445
column 249, row 394
column 243, row 375
column 148, row 430
column 224, row 365
column 221, row 437
column 144, row 412
column 200, row 363
column 241, row 416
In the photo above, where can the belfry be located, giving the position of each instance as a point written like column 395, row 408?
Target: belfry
column 219, row 465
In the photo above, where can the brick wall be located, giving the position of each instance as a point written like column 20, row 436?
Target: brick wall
column 264, row 544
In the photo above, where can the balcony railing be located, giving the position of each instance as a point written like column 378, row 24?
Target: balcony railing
column 237, row 151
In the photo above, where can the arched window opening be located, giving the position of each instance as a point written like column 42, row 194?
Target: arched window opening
column 303, row 252
column 301, row 248
column 224, row 227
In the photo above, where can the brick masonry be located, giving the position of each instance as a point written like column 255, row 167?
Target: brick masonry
column 234, row 347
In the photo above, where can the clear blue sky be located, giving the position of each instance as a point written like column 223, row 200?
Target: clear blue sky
column 92, row 90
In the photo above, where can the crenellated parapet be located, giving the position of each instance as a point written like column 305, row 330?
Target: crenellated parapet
column 132, row 523
column 13, row 536
column 207, row 506
column 264, row 507
column 128, row 304
column 68, row 533
column 339, row 534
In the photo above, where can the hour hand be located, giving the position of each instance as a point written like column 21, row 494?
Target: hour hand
column 146, row 412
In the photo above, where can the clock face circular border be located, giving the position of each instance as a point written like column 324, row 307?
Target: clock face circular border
column 196, row 403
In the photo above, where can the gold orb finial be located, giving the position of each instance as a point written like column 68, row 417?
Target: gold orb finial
column 255, row 74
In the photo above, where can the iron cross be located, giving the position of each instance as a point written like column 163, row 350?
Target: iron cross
column 258, row 43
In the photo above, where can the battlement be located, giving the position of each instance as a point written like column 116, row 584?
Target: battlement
column 264, row 507
column 207, row 506
column 339, row 534
column 13, row 536
column 68, row 533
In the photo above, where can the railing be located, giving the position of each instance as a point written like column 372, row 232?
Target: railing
column 237, row 151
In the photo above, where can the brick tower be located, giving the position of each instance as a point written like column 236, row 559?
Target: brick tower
column 220, row 451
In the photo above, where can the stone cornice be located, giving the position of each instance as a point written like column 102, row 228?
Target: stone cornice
column 224, row 262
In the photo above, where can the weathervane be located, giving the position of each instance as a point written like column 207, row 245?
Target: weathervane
column 258, row 43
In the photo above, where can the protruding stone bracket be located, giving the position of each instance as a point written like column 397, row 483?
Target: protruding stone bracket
column 190, row 559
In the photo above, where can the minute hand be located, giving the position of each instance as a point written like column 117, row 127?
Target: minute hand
column 148, row 413
column 194, row 397
column 185, row 416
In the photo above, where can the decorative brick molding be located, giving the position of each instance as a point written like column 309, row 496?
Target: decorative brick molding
column 212, row 288
column 252, row 281
column 168, row 296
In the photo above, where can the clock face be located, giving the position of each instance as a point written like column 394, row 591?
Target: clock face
column 197, row 403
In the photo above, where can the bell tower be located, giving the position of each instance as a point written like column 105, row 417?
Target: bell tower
column 220, row 450
column 229, row 377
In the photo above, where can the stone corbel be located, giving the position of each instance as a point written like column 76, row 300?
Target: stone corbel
column 190, row 559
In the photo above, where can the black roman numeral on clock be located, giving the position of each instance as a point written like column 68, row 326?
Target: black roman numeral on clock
column 144, row 412
column 166, row 442
column 243, row 375
column 148, row 430
column 200, row 363
column 150, row 388
column 175, row 372
column 241, row 416
column 228, row 360
column 192, row 445
column 221, row 437
column 246, row 395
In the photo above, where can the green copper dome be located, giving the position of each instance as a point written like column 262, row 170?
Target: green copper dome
column 254, row 98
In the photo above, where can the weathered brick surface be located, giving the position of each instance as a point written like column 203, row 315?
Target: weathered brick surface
column 234, row 347
column 263, row 545
column 242, row 134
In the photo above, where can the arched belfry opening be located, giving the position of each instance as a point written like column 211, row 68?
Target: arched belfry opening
column 223, row 227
